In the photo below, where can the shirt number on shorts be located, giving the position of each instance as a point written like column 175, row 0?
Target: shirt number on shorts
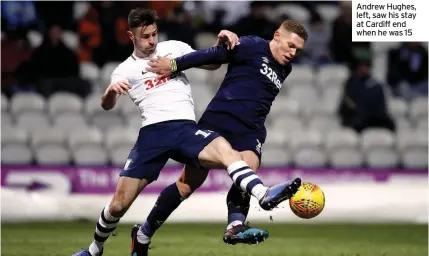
column 203, row 133
column 127, row 164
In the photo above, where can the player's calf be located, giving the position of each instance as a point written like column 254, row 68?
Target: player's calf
column 126, row 192
column 238, row 204
column 219, row 154
column 105, row 226
column 220, row 151
column 237, row 200
column 169, row 199
column 190, row 180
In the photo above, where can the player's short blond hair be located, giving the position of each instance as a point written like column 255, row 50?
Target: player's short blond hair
column 294, row 27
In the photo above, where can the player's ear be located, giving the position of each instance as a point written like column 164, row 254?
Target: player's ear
column 130, row 35
column 277, row 35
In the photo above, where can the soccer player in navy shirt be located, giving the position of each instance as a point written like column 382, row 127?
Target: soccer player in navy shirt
column 256, row 72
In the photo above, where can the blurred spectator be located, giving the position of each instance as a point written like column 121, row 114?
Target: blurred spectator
column 16, row 51
column 223, row 13
column 124, row 44
column 318, row 41
column 126, row 6
column 310, row 6
column 18, row 15
column 363, row 104
column 89, row 31
column 115, row 45
column 256, row 23
column 163, row 8
column 56, row 12
column 342, row 48
column 210, row 20
column 408, row 70
column 179, row 26
column 56, row 67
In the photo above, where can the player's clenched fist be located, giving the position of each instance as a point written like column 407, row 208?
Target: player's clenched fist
column 161, row 66
column 120, row 87
column 228, row 37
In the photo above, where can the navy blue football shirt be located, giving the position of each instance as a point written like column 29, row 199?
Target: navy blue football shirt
column 252, row 82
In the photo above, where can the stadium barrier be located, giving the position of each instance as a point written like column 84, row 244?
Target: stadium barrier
column 68, row 193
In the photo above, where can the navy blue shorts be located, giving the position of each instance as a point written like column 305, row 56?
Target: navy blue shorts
column 240, row 137
column 181, row 140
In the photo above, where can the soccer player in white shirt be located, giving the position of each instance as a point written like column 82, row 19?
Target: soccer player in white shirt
column 168, row 131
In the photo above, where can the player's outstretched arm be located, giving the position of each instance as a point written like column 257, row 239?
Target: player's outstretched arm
column 214, row 55
column 230, row 39
column 210, row 66
column 112, row 93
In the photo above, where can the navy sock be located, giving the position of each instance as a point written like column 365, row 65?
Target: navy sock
column 167, row 202
column 238, row 203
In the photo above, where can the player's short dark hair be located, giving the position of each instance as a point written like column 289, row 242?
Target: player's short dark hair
column 295, row 27
column 141, row 17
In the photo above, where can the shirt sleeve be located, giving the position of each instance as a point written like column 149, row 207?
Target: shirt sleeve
column 118, row 75
column 215, row 55
column 186, row 48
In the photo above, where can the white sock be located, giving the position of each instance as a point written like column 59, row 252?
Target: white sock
column 259, row 191
column 107, row 223
column 246, row 179
column 142, row 238
column 233, row 224
column 95, row 248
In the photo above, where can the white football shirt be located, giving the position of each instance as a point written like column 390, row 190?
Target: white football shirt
column 158, row 101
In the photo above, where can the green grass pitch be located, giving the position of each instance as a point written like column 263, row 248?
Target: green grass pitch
column 64, row 238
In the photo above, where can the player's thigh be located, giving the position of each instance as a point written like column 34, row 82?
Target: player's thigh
column 149, row 154
column 143, row 164
column 249, row 147
column 251, row 159
column 204, row 148
column 137, row 173
column 191, row 178
column 126, row 192
column 218, row 154
column 141, row 168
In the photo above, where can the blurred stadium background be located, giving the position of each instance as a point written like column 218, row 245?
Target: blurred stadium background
column 352, row 118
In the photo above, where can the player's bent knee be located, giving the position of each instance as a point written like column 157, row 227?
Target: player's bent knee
column 118, row 208
column 251, row 159
column 226, row 153
column 190, row 180
column 184, row 189
column 126, row 192
column 120, row 204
